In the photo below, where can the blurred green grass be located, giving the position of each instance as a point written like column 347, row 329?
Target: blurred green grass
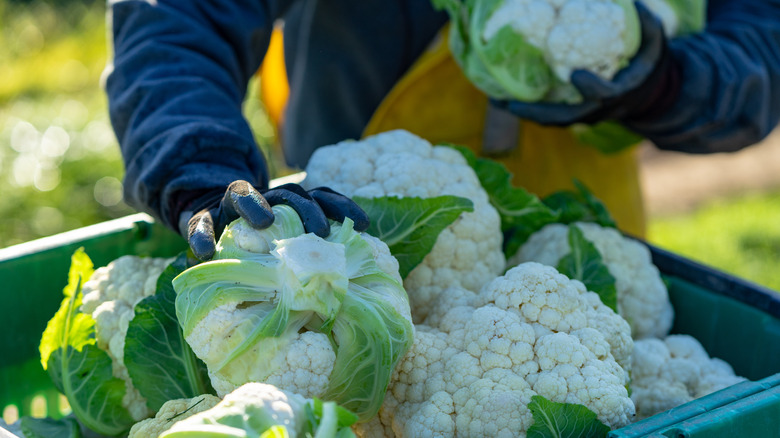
column 59, row 161
column 739, row 235
column 60, row 166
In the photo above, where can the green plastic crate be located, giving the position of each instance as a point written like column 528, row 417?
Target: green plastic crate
column 32, row 276
column 733, row 319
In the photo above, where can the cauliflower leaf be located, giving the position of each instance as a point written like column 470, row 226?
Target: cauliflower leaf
column 34, row 427
column 159, row 361
column 79, row 369
column 584, row 263
column 555, row 420
column 410, row 226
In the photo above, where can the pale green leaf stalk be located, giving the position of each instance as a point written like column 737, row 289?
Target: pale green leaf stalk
column 78, row 368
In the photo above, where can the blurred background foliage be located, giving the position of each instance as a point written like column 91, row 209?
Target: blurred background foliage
column 60, row 166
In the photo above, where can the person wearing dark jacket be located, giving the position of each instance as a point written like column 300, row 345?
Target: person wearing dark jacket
column 180, row 72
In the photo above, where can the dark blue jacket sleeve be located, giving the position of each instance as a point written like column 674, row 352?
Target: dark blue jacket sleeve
column 175, row 90
column 730, row 90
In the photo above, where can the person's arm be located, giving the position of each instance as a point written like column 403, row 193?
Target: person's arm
column 175, row 90
column 729, row 93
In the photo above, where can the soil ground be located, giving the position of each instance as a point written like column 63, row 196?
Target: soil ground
column 675, row 183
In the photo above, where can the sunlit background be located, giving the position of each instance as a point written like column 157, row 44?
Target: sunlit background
column 60, row 167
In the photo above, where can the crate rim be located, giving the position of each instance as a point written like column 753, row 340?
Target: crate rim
column 32, row 247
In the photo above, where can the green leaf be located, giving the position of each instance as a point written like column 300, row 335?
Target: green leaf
column 50, row 428
column 327, row 419
column 515, row 64
column 69, row 326
column 606, row 137
column 78, row 368
column 522, row 213
column 518, row 207
column 275, row 431
column 410, row 226
column 563, row 420
column 158, row 359
column 579, row 206
column 584, row 263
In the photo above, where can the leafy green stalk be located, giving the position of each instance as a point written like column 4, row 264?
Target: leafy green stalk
column 159, row 361
column 563, row 420
column 78, row 368
column 328, row 419
column 371, row 338
column 579, row 206
column 584, row 263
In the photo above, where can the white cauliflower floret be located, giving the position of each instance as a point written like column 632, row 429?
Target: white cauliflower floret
column 384, row 259
column 588, row 35
column 110, row 295
column 468, row 253
column 488, row 407
column 642, row 297
column 171, row 412
column 549, row 299
column 301, row 364
column 667, row 373
column 573, row 34
column 526, row 333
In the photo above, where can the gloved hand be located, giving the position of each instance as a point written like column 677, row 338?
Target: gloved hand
column 648, row 85
column 207, row 217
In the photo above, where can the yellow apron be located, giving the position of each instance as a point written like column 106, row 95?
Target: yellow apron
column 437, row 102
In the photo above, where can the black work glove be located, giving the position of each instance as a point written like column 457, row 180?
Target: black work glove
column 646, row 87
column 203, row 222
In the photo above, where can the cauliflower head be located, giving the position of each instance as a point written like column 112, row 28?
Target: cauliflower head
column 527, row 49
column 669, row 372
column 642, row 297
column 262, row 410
column 467, row 254
column 473, row 369
column 110, row 295
column 573, row 34
column 317, row 316
column 171, row 412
